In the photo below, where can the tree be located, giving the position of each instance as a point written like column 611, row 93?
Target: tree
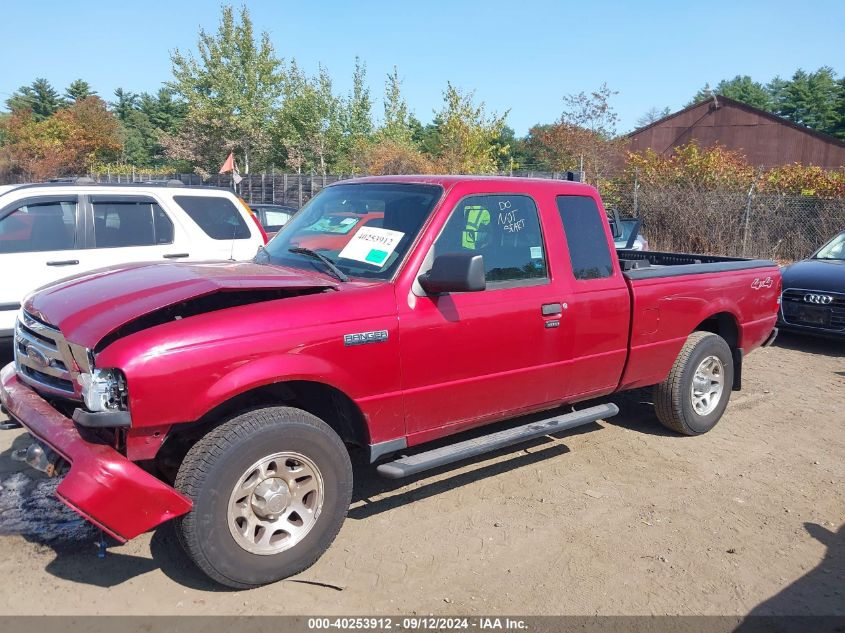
column 584, row 136
column 691, row 165
column 146, row 120
column 69, row 142
column 309, row 124
column 40, row 98
column 396, row 125
column 705, row 93
column 740, row 88
column 78, row 90
column 230, row 90
column 466, row 134
column 389, row 156
column 651, row 115
column 357, row 115
column 839, row 128
column 809, row 99
column 125, row 102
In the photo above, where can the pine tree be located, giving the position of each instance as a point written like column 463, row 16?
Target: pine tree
column 78, row 90
column 40, row 98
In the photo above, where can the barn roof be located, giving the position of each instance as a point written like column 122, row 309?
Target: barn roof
column 827, row 138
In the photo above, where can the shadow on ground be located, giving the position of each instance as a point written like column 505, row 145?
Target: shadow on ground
column 820, row 593
column 811, row 344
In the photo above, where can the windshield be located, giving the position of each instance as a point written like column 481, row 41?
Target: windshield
column 834, row 249
column 364, row 229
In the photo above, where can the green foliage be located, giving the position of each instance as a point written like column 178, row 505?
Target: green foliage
column 712, row 168
column 466, row 134
column 40, row 98
column 231, row 90
column 809, row 99
column 740, row 88
column 691, row 165
column 814, row 99
column 397, row 120
column 308, row 128
column 357, row 116
column 78, row 90
column 125, row 103
column 804, row 180
column 146, row 120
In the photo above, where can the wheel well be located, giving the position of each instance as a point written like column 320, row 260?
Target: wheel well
column 329, row 404
column 724, row 324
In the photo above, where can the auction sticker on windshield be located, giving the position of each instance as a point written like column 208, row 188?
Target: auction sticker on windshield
column 372, row 245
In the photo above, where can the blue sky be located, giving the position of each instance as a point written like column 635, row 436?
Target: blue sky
column 517, row 55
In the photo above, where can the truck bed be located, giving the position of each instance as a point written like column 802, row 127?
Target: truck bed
column 651, row 264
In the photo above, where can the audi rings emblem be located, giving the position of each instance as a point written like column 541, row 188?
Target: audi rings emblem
column 821, row 300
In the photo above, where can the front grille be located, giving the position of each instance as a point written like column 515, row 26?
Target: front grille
column 43, row 358
column 798, row 310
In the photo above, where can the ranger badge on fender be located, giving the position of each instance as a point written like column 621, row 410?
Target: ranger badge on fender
column 378, row 336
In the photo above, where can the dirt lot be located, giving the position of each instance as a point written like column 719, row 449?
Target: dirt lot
column 621, row 518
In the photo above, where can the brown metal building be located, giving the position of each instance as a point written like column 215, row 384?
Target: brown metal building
column 765, row 139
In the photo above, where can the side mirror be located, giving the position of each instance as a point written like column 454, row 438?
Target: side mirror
column 454, row 272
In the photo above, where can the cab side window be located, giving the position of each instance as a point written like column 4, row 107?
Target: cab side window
column 504, row 229
column 585, row 237
column 39, row 226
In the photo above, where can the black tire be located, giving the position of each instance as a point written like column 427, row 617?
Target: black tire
column 673, row 400
column 212, row 468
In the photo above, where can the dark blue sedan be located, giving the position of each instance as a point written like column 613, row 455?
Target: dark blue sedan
column 813, row 300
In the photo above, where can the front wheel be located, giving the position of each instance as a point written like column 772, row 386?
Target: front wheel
column 694, row 396
column 271, row 489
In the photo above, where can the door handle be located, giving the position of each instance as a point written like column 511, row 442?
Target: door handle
column 176, row 255
column 64, row 262
column 551, row 309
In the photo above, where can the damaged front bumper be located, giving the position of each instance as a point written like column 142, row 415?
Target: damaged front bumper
column 102, row 485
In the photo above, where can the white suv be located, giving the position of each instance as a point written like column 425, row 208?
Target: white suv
column 49, row 231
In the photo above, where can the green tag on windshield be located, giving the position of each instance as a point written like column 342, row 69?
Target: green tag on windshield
column 376, row 256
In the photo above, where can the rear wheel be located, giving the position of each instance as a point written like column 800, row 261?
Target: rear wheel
column 696, row 392
column 271, row 489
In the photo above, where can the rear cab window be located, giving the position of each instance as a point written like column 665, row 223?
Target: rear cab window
column 217, row 216
column 586, row 239
column 38, row 225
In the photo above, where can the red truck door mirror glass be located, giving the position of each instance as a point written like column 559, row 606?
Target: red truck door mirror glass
column 454, row 272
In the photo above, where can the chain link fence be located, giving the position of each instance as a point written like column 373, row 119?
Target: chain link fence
column 734, row 223
column 270, row 187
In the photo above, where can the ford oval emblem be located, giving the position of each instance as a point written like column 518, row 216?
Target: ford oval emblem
column 37, row 356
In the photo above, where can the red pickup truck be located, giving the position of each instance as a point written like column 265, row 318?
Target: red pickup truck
column 227, row 395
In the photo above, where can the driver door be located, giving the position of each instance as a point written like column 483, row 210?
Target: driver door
column 471, row 357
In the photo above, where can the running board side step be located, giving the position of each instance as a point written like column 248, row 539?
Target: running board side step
column 405, row 466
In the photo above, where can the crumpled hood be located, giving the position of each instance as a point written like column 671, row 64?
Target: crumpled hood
column 88, row 307
column 826, row 275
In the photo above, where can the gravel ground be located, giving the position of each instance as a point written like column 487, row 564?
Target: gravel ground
column 619, row 518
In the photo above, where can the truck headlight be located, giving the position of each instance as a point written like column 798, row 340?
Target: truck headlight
column 104, row 390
